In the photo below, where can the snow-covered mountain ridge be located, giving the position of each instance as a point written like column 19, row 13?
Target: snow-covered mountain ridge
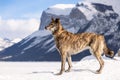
column 114, row 3
column 81, row 17
column 5, row 43
column 60, row 9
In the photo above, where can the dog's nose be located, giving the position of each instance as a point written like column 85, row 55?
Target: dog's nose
column 45, row 27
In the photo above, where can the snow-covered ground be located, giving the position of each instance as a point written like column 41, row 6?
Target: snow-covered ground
column 83, row 70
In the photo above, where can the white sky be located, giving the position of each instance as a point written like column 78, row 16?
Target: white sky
column 17, row 28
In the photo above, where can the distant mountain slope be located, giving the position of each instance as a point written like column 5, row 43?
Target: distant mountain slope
column 4, row 43
column 82, row 17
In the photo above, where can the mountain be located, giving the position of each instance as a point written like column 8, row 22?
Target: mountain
column 5, row 43
column 76, row 18
column 115, row 4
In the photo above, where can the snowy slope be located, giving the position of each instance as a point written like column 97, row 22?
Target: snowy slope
column 114, row 3
column 60, row 9
column 88, row 9
column 83, row 70
column 4, row 43
column 16, row 40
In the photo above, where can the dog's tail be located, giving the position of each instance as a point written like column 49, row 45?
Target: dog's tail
column 107, row 51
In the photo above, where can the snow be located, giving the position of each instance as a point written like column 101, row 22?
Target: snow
column 16, row 40
column 38, row 35
column 115, row 3
column 88, row 9
column 52, row 48
column 5, row 43
column 83, row 70
column 65, row 9
column 63, row 6
column 7, row 57
column 60, row 9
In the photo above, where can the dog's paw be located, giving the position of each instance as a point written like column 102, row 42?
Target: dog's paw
column 67, row 70
column 58, row 74
column 98, row 72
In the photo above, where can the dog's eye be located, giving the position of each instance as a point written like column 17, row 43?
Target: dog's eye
column 52, row 24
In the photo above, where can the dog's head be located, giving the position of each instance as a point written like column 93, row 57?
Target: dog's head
column 53, row 25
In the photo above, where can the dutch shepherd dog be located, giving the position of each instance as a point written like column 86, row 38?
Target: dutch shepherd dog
column 69, row 44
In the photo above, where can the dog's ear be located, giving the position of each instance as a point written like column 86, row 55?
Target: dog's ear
column 52, row 19
column 57, row 20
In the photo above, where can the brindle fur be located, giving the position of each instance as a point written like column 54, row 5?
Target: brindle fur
column 69, row 44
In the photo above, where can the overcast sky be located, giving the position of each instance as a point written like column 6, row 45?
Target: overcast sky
column 19, row 18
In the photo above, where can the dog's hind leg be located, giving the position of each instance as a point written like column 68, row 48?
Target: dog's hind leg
column 101, row 62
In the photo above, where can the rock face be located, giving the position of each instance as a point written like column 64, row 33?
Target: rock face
column 82, row 17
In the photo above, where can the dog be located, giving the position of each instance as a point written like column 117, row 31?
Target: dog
column 69, row 44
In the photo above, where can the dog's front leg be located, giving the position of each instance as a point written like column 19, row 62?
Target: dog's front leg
column 63, row 60
column 69, row 64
